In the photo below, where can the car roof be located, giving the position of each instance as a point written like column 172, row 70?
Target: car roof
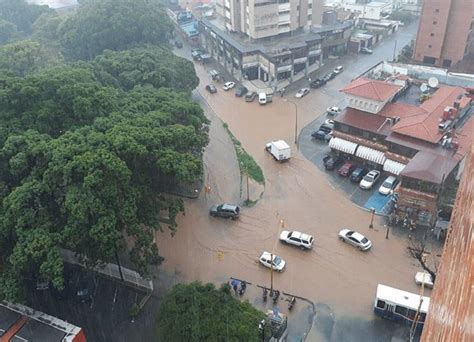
column 373, row 173
column 390, row 179
column 300, row 235
column 229, row 207
column 267, row 255
column 357, row 236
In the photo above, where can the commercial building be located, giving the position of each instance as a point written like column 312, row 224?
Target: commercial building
column 278, row 62
column 269, row 18
column 385, row 126
column 445, row 32
column 21, row 323
column 451, row 313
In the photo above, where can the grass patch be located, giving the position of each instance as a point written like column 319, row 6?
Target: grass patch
column 247, row 164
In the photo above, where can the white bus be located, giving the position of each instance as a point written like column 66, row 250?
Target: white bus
column 398, row 305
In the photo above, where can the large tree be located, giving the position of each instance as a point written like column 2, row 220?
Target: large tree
column 198, row 312
column 156, row 66
column 115, row 25
column 21, row 14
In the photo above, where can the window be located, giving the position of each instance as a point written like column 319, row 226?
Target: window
column 435, row 22
column 437, row 10
column 429, row 46
column 447, row 63
column 380, row 304
column 429, row 60
column 431, row 34
column 401, row 310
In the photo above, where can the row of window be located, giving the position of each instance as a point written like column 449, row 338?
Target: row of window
column 363, row 104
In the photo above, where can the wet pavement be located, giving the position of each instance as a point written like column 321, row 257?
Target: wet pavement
column 341, row 280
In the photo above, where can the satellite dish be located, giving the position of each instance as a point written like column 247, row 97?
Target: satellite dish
column 424, row 87
column 433, row 82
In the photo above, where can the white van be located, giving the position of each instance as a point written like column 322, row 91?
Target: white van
column 262, row 98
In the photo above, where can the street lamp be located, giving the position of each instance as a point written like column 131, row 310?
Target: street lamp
column 296, row 121
column 371, row 225
column 261, row 327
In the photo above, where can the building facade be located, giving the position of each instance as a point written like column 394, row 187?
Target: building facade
column 450, row 317
column 268, row 18
column 445, row 32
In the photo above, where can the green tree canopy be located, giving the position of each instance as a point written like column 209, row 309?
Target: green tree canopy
column 152, row 65
column 25, row 57
column 21, row 14
column 8, row 31
column 115, row 25
column 198, row 312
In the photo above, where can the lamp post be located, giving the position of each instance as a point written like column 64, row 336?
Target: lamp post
column 371, row 225
column 296, row 121
column 386, row 234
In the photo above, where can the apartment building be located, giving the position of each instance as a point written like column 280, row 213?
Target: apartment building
column 445, row 32
column 268, row 18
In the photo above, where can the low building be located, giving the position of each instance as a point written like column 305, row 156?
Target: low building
column 21, row 323
column 386, row 127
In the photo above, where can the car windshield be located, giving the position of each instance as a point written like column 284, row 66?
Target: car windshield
column 276, row 261
column 387, row 184
column 369, row 177
column 364, row 240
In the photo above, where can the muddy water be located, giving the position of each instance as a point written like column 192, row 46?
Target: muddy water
column 297, row 196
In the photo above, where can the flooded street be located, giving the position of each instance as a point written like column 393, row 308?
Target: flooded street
column 298, row 196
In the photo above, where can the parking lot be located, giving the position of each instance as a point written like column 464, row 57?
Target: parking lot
column 315, row 150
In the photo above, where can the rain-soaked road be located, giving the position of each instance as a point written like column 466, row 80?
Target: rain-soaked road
column 297, row 196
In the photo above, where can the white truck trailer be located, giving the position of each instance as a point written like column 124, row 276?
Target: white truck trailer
column 279, row 149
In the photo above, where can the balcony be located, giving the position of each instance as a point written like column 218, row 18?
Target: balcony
column 284, row 7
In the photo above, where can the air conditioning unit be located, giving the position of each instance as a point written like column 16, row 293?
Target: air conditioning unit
column 444, row 125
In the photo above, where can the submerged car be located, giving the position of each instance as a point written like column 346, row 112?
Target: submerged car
column 241, row 91
column 333, row 110
column 319, row 82
column 228, row 85
column 346, row 169
column 358, row 174
column 225, row 210
column 355, row 239
column 388, row 185
column 298, row 239
column 332, row 162
column 211, row 88
column 369, row 180
column 302, row 92
column 272, row 261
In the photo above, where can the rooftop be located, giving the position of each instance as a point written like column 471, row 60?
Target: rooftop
column 430, row 167
column 371, row 89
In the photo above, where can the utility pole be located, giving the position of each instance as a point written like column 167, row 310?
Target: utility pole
column 417, row 315
column 394, row 50
column 371, row 225
column 296, row 121
column 271, row 274
column 248, row 196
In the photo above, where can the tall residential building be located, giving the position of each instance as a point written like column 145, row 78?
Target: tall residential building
column 268, row 18
column 445, row 32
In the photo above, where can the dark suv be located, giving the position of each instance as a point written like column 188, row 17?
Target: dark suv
column 317, row 83
column 225, row 210
column 332, row 162
column 241, row 91
column 358, row 174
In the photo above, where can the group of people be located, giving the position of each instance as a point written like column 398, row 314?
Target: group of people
column 238, row 286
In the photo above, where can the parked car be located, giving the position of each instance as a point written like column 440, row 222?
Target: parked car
column 241, row 91
column 276, row 263
column 302, row 92
column 228, row 85
column 298, row 239
column 225, row 210
column 424, row 277
column 329, row 123
column 333, row 110
column 346, row 169
column 338, row 69
column 321, row 133
column 319, row 82
column 366, row 51
column 329, row 76
column 358, row 174
column 332, row 162
column 86, row 288
column 178, row 44
column 211, row 88
column 326, row 126
column 369, row 180
column 249, row 97
column 355, row 239
column 388, row 185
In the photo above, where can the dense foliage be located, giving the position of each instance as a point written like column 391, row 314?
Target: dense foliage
column 114, row 25
column 198, row 312
column 88, row 150
column 20, row 14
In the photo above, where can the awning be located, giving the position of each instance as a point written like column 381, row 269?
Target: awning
column 342, row 145
column 370, row 154
column 393, row 167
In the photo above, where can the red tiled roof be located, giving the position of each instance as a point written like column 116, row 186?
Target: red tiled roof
column 423, row 123
column 371, row 89
column 430, row 167
column 363, row 120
